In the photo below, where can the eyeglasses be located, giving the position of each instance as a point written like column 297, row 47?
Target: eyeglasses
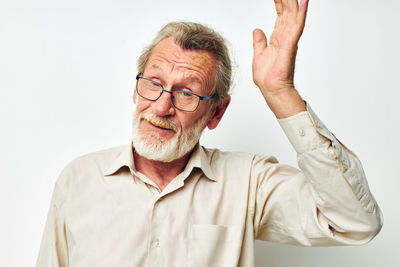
column 182, row 100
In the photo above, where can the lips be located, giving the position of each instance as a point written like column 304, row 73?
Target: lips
column 160, row 123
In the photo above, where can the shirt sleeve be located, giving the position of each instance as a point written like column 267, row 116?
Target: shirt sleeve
column 54, row 250
column 326, row 202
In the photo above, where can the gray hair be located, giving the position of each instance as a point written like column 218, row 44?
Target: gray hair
column 195, row 36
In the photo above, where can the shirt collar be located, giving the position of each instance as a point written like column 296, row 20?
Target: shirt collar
column 199, row 159
column 125, row 158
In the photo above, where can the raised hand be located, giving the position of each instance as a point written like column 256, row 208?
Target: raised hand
column 273, row 63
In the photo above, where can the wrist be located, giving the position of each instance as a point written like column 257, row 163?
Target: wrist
column 285, row 102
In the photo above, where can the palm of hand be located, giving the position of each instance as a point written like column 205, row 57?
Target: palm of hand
column 273, row 63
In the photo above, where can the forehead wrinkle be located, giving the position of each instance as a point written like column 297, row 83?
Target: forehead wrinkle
column 185, row 58
column 188, row 71
column 157, row 61
column 169, row 58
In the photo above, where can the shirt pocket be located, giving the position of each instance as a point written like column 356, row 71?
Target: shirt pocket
column 214, row 245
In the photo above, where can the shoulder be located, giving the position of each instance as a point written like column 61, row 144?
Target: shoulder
column 99, row 158
column 88, row 167
column 215, row 155
column 235, row 164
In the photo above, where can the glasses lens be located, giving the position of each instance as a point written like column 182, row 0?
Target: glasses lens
column 185, row 100
column 148, row 89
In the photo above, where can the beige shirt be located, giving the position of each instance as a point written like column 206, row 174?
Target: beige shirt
column 103, row 213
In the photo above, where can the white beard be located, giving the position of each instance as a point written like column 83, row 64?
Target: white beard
column 165, row 150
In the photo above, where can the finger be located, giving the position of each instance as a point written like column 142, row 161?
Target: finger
column 259, row 41
column 301, row 17
column 278, row 7
column 290, row 9
column 291, row 5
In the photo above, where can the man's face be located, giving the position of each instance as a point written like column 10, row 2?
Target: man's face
column 160, row 131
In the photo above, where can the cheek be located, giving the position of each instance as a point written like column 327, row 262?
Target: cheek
column 188, row 122
column 141, row 104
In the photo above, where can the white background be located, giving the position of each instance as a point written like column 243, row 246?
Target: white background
column 67, row 72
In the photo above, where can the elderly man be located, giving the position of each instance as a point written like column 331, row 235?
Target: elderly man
column 164, row 200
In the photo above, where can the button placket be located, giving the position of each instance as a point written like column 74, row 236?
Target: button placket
column 156, row 224
column 158, row 217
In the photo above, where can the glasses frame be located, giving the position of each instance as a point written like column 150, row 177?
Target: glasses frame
column 172, row 96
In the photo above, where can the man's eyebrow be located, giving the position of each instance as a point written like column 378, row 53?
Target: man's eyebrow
column 192, row 79
column 154, row 66
column 188, row 79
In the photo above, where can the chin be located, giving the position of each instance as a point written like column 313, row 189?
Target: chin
column 158, row 151
column 153, row 146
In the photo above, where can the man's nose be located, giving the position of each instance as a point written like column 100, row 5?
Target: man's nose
column 163, row 106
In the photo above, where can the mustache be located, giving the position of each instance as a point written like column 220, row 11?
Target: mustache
column 159, row 121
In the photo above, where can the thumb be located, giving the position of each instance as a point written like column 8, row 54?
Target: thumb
column 259, row 41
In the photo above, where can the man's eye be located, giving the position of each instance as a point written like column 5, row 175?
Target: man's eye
column 186, row 93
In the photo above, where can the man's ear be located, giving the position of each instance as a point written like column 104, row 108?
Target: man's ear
column 218, row 113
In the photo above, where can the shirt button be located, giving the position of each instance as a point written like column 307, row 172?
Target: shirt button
column 344, row 166
column 301, row 132
column 156, row 243
column 317, row 125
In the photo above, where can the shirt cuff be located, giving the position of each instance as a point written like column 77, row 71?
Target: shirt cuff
column 302, row 132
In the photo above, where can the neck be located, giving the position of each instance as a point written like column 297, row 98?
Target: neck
column 161, row 173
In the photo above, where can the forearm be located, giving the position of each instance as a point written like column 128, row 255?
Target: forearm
column 338, row 184
column 325, row 203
